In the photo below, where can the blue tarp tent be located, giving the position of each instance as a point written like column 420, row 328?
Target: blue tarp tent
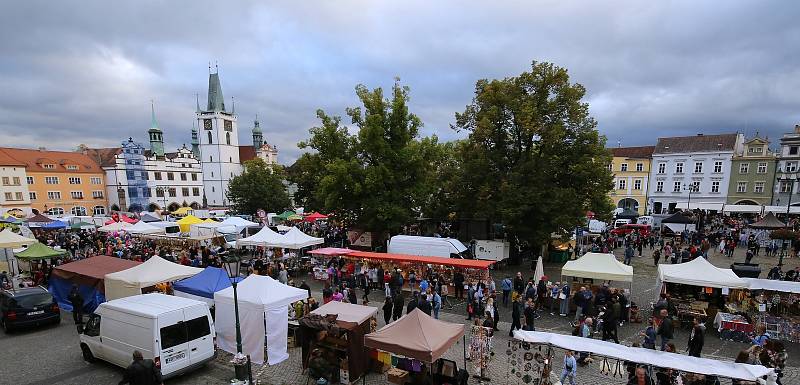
column 54, row 225
column 203, row 285
column 60, row 288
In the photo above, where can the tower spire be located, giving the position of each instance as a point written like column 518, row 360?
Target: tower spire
column 216, row 102
column 153, row 123
column 197, row 100
column 155, row 133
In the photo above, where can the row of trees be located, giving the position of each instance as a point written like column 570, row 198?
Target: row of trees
column 532, row 159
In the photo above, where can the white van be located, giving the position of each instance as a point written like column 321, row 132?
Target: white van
column 426, row 246
column 177, row 333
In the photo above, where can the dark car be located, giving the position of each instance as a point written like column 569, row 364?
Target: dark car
column 30, row 306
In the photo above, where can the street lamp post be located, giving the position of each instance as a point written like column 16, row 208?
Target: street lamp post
column 233, row 265
column 690, row 188
column 163, row 191
column 789, row 178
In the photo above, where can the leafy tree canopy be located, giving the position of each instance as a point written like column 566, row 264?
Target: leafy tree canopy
column 260, row 186
column 533, row 158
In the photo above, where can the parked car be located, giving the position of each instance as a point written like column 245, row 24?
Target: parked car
column 176, row 333
column 643, row 230
column 26, row 307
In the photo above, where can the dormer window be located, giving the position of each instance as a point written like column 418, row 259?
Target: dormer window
column 48, row 166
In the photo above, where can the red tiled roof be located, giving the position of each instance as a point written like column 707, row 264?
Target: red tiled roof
column 104, row 156
column 633, row 152
column 34, row 159
column 8, row 160
column 246, row 153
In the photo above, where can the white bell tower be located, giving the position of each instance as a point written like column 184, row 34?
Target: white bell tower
column 219, row 144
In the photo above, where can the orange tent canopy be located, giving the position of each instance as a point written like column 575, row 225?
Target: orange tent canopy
column 454, row 262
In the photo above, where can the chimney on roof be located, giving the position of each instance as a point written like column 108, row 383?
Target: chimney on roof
column 797, row 128
column 699, row 134
column 42, row 148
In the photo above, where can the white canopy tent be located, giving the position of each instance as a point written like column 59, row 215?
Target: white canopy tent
column 347, row 312
column 143, row 227
column 699, row 206
column 772, row 285
column 598, row 266
column 116, row 226
column 155, row 270
column 698, row 272
column 10, row 239
column 751, row 209
column 781, row 209
column 647, row 356
column 296, row 239
column 263, row 310
column 264, row 237
column 239, row 223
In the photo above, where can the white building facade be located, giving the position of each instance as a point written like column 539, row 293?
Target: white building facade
column 692, row 172
column 14, row 194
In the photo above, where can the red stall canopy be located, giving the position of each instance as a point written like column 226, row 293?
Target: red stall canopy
column 454, row 262
column 329, row 251
column 91, row 271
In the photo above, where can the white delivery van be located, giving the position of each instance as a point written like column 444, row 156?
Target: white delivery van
column 492, row 250
column 177, row 333
column 426, row 246
column 597, row 227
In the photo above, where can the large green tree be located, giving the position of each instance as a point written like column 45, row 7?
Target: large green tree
column 533, row 158
column 260, row 186
column 373, row 178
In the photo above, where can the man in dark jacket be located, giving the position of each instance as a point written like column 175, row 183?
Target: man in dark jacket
column 519, row 283
column 141, row 372
column 423, row 304
column 397, row 310
column 696, row 339
column 516, row 315
column 412, row 303
column 76, row 300
column 458, row 282
column 665, row 329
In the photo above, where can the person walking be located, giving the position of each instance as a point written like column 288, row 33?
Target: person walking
column 564, row 297
column 387, row 310
column 582, row 300
column 141, row 372
column 696, row 339
column 437, row 304
column 506, row 286
column 628, row 254
column 649, row 335
column 656, row 257
column 517, row 308
column 397, row 309
column 76, row 300
column 570, row 367
column 530, row 315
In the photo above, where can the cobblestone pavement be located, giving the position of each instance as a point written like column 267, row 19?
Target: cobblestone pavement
column 290, row 372
column 51, row 355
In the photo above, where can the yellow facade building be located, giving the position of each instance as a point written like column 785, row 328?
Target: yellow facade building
column 631, row 169
column 61, row 182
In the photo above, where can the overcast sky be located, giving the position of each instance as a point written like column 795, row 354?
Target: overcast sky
column 76, row 72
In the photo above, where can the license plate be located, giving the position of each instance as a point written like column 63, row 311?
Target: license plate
column 175, row 357
column 36, row 312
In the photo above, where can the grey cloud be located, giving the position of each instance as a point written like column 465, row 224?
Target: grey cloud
column 84, row 72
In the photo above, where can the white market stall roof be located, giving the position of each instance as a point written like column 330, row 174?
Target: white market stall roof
column 10, row 239
column 263, row 311
column 699, row 206
column 155, row 270
column 116, row 226
column 143, row 227
column 781, row 209
column 347, row 312
column 598, row 266
column 772, row 285
column 264, row 237
column 699, row 272
column 238, row 222
column 753, row 209
column 646, row 356
column 296, row 239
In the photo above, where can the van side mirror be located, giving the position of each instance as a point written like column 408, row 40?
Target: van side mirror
column 80, row 328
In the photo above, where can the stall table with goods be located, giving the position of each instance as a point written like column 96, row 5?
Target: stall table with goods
column 772, row 304
column 405, row 353
column 472, row 269
column 336, row 332
column 529, row 362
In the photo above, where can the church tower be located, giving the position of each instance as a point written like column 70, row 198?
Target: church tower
column 195, row 142
column 258, row 136
column 155, row 134
column 218, row 139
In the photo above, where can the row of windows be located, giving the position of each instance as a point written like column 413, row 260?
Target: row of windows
column 170, row 191
column 56, row 195
column 227, row 138
column 13, row 181
column 77, row 210
column 72, row 180
column 622, row 184
column 698, row 167
column 624, row 167
column 744, row 168
column 694, row 187
column 158, row 175
column 758, row 187
column 13, row 196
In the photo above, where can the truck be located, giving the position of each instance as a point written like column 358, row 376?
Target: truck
column 427, row 246
column 176, row 333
